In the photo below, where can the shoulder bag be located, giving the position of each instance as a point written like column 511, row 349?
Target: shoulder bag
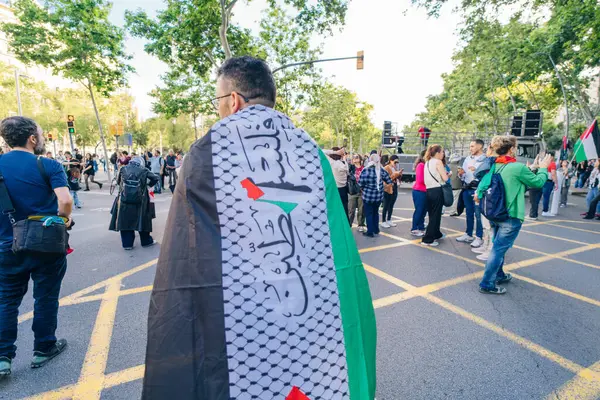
column 36, row 233
column 446, row 189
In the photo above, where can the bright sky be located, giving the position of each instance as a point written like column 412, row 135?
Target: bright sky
column 405, row 54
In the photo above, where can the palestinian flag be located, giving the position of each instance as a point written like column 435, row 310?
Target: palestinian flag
column 588, row 145
column 260, row 292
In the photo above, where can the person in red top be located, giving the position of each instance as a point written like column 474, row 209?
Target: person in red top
column 424, row 132
column 549, row 188
column 419, row 195
column 355, row 201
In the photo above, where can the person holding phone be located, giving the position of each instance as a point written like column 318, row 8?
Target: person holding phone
column 390, row 191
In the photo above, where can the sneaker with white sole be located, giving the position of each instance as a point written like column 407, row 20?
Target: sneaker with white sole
column 478, row 250
column 545, row 214
column 465, row 238
column 528, row 218
column 384, row 225
column 417, row 233
column 390, row 223
column 484, row 256
column 432, row 244
column 478, row 242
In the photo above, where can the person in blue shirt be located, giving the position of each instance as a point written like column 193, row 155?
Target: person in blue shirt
column 31, row 194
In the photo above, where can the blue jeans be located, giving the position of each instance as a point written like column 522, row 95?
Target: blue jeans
column 157, row 187
column 592, row 193
column 75, row 196
column 505, row 233
column 372, row 216
column 420, row 202
column 47, row 272
column 547, row 192
column 473, row 213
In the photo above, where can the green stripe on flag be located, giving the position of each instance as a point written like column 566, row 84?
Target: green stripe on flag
column 356, row 305
column 579, row 151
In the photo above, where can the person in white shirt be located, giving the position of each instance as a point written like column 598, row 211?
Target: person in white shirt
column 336, row 157
column 434, row 176
column 473, row 212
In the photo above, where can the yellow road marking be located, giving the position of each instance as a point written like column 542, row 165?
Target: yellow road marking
column 558, row 290
column 67, row 299
column 395, row 298
column 585, row 386
column 91, row 380
column 529, row 345
column 554, row 237
column 576, row 229
column 98, row 297
column 401, row 239
column 384, row 247
column 124, row 376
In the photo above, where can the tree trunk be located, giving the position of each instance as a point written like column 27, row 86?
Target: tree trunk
column 195, row 126
column 91, row 89
column 512, row 99
column 535, row 100
column 225, row 14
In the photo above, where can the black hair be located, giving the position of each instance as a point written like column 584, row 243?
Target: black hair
column 250, row 77
column 479, row 142
column 125, row 152
column 385, row 159
column 157, row 151
column 394, row 157
column 17, row 130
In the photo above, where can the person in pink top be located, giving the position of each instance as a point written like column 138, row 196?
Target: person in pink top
column 419, row 195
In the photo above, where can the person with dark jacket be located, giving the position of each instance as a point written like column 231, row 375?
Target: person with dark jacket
column 132, row 210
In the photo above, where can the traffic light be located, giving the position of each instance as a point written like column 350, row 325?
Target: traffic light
column 50, row 138
column 360, row 60
column 71, row 124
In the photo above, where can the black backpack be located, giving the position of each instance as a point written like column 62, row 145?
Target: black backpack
column 493, row 203
column 131, row 192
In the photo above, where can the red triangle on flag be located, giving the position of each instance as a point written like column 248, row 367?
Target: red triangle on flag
column 296, row 394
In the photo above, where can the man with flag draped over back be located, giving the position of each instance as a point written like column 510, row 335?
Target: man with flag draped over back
column 588, row 148
column 260, row 292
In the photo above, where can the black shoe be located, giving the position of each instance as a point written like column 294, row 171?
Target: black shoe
column 5, row 366
column 100, row 184
column 150, row 244
column 507, row 278
column 496, row 290
column 588, row 217
column 454, row 214
column 86, row 190
column 42, row 358
column 368, row 234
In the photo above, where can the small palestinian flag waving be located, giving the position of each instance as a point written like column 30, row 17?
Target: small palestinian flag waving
column 588, row 145
column 260, row 292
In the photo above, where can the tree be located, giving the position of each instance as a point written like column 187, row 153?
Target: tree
column 76, row 40
column 184, row 94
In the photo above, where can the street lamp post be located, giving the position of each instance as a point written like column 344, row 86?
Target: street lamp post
column 18, row 85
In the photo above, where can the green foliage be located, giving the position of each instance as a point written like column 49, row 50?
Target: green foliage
column 338, row 116
column 506, row 67
column 73, row 38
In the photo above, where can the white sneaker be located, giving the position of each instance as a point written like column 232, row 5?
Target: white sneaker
column 390, row 223
column 483, row 256
column 528, row 218
column 477, row 242
column 384, row 225
column 432, row 244
column 545, row 214
column 417, row 233
column 362, row 229
column 465, row 238
column 478, row 250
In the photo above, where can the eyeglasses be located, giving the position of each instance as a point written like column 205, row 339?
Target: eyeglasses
column 215, row 101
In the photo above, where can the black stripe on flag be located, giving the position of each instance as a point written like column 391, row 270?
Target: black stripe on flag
column 186, row 355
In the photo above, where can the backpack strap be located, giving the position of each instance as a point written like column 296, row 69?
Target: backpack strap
column 6, row 204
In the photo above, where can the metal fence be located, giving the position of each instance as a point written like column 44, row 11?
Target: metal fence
column 457, row 143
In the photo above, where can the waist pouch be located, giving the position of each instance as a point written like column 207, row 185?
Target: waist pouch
column 40, row 234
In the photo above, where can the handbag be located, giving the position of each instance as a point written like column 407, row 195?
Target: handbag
column 446, row 190
column 36, row 233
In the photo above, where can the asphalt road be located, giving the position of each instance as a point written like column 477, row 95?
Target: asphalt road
column 438, row 337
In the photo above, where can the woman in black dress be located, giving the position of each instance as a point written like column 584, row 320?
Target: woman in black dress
column 89, row 172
